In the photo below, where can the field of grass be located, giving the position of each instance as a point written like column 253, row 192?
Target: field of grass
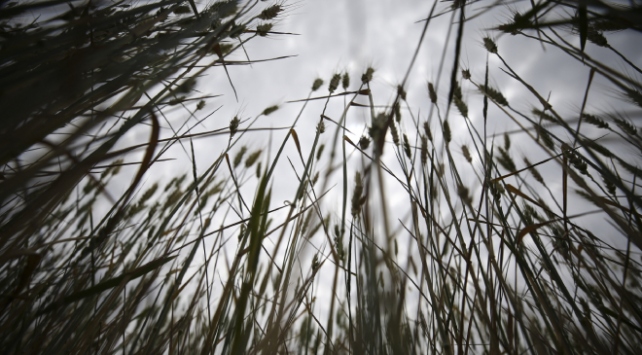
column 422, row 231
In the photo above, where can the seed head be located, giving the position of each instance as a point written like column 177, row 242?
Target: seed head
column 345, row 81
column 149, row 193
column 115, row 167
column 377, row 130
column 546, row 138
column 270, row 12
column 397, row 111
column 424, row 325
column 428, row 131
column 378, row 124
column 317, row 84
column 395, row 133
column 596, row 37
column 270, row 110
column 234, row 126
column 457, row 4
column 461, row 106
column 610, row 186
column 320, row 151
column 367, row 76
column 497, row 189
column 506, row 141
column 356, row 195
column 504, row 159
column 187, row 86
column 624, row 125
column 406, row 146
column 465, row 74
column 519, row 23
column 495, row 95
column 237, row 30
column 334, row 83
column 252, row 158
column 594, row 120
column 447, row 133
column 432, row 93
column 364, row 142
column 239, row 156
column 466, row 152
column 464, row 194
column 534, row 172
column 575, row 159
column 225, row 8
column 401, row 92
column 490, row 45
column 543, row 115
column 263, row 29
column 634, row 96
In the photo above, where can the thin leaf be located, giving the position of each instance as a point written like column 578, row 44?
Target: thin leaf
column 110, row 283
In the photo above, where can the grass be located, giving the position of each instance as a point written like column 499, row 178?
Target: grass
column 448, row 236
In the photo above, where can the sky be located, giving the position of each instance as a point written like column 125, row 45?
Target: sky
column 338, row 36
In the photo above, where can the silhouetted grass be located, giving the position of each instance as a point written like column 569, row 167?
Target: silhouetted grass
column 515, row 262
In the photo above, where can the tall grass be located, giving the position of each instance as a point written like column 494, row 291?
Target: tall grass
column 445, row 238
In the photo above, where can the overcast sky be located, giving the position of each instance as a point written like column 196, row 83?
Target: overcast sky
column 336, row 36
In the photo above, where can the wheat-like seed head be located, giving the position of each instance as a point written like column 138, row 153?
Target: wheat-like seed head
column 490, row 45
column 238, row 158
column 367, row 76
column 270, row 12
column 364, row 142
column 317, row 84
column 334, row 83
column 595, row 121
column 263, row 29
column 428, row 131
column 446, row 132
column 345, row 81
column 356, row 195
column 432, row 93
column 234, row 126
column 466, row 152
column 270, row 110
column 252, row 158
column 406, row 146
